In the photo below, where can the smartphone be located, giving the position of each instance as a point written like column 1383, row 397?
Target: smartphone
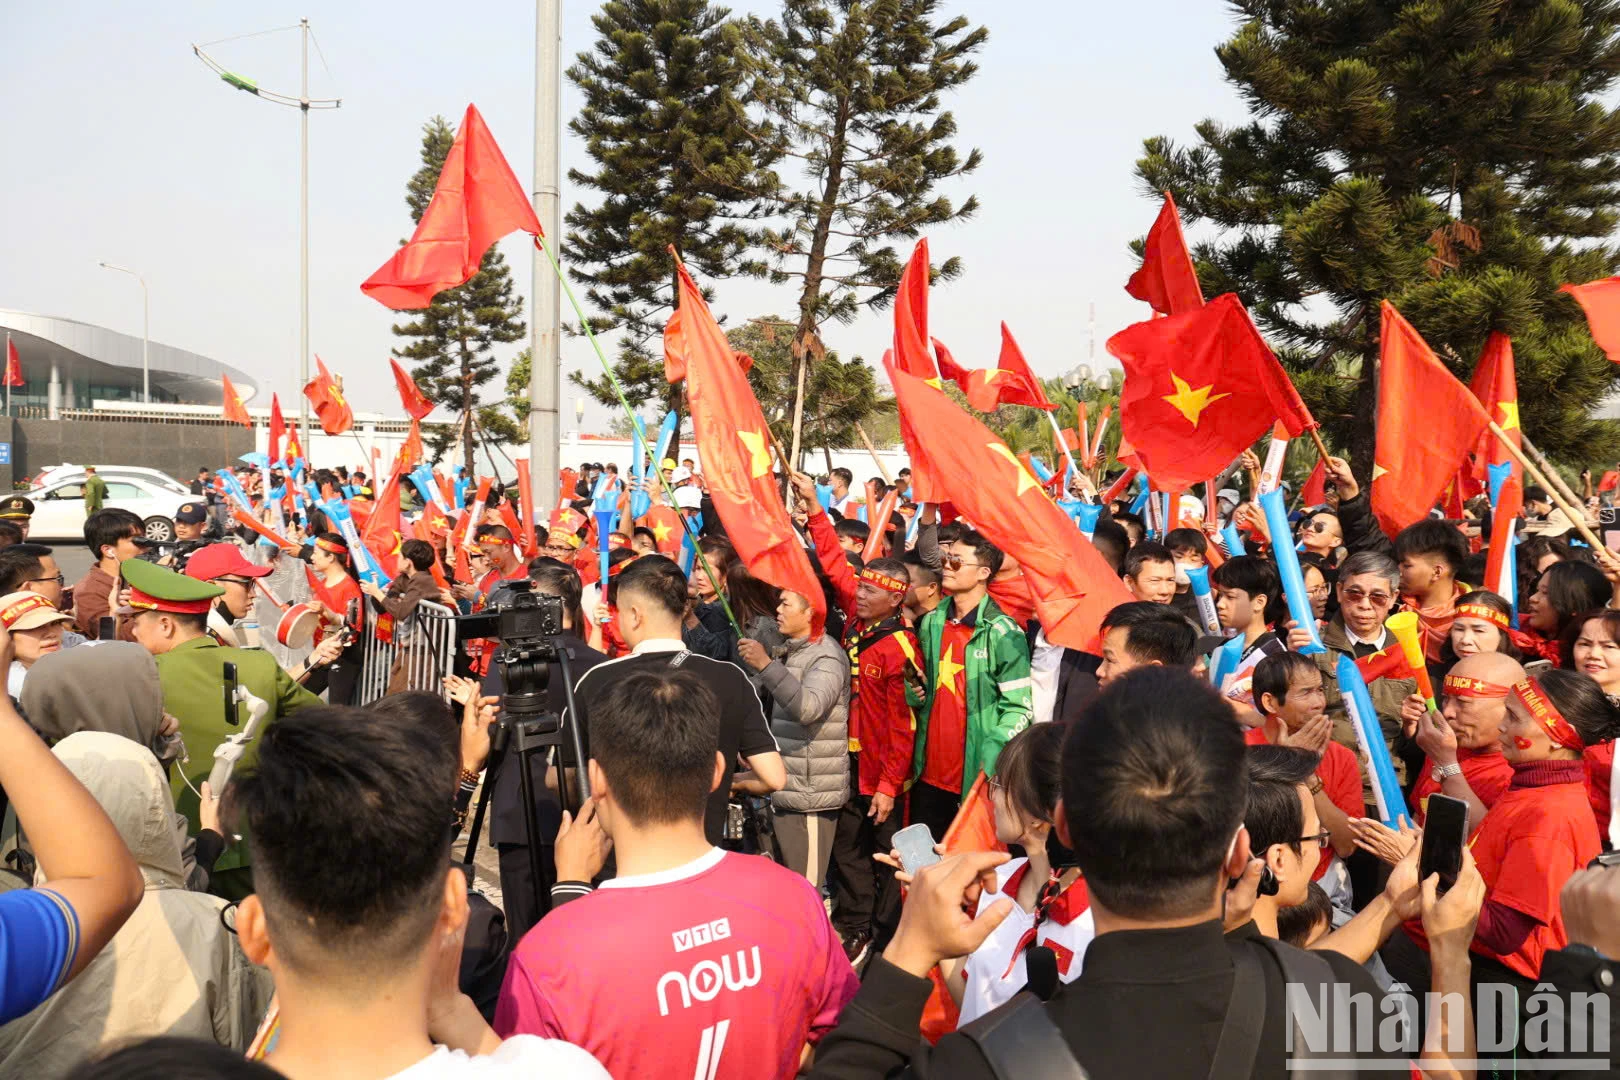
column 107, row 628
column 1445, row 831
column 916, row 847
column 1536, row 667
column 230, row 684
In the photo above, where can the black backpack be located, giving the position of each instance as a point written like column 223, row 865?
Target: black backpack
column 1020, row 1042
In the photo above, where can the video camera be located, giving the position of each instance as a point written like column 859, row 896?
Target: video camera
column 527, row 625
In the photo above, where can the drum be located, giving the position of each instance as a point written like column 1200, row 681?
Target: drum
column 297, row 626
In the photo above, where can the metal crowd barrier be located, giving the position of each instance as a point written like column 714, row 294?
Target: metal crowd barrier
column 420, row 656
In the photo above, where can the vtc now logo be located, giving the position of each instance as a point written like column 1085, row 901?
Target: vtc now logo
column 707, row 978
column 701, row 934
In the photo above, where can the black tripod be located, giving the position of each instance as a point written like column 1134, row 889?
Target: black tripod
column 525, row 727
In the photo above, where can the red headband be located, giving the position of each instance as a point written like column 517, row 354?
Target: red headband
column 333, row 546
column 1460, row 686
column 31, row 602
column 885, row 582
column 1482, row 611
column 487, row 538
column 1545, row 713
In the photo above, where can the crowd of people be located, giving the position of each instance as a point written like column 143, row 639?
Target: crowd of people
column 1166, row 855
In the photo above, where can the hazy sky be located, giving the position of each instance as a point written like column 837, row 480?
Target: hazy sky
column 118, row 144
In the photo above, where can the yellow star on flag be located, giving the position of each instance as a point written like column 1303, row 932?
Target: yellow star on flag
column 948, row 671
column 1379, row 470
column 1025, row 481
column 759, row 458
column 337, row 395
column 1189, row 402
column 440, row 523
column 661, row 531
column 1509, row 411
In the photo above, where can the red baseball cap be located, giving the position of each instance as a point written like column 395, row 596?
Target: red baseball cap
column 220, row 560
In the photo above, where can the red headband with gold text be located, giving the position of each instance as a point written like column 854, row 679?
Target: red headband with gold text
column 884, row 581
column 1531, row 695
column 1482, row 611
column 1460, row 686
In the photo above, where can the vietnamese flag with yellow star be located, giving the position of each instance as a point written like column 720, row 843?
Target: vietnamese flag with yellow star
column 1497, row 388
column 1167, row 281
column 1010, row 382
column 1200, row 387
column 1070, row 583
column 735, row 448
column 667, row 530
column 1428, row 421
column 326, row 394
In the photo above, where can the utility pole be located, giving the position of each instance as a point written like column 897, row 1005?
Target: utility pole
column 545, row 335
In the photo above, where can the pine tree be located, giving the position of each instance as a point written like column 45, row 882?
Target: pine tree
column 677, row 163
column 855, row 89
column 1453, row 156
column 454, row 338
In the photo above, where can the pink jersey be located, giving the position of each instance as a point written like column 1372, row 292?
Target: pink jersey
column 721, row 969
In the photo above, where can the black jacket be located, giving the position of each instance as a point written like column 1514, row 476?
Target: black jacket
column 1148, row 1004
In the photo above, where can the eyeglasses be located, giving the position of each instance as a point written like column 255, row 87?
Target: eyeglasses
column 1321, row 839
column 1318, row 590
column 1356, row 596
column 234, row 581
column 956, row 562
column 1319, row 525
column 995, row 784
column 59, row 579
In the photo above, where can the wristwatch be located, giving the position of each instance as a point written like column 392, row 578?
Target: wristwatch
column 1314, row 784
column 1439, row 773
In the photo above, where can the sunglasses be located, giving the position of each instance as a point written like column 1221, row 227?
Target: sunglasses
column 956, row 562
column 1356, row 596
column 1318, row 526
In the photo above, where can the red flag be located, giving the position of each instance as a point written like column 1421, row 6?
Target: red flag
column 235, row 411
column 1200, row 387
column 675, row 355
column 948, row 367
column 325, row 393
column 384, row 530
column 1073, row 588
column 1509, row 505
column 735, row 447
column 1610, row 481
column 665, row 523
column 278, row 429
column 1167, row 281
column 1427, row 424
column 478, row 200
column 911, row 317
column 1497, row 388
column 1601, row 302
column 1315, row 490
column 525, row 496
column 1010, row 382
column 14, row 375
column 410, row 451
column 410, row 395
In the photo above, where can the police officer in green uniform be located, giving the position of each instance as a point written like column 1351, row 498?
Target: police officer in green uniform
column 169, row 617
column 17, row 509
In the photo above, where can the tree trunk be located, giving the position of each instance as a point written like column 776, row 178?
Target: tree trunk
column 814, row 267
column 1364, row 425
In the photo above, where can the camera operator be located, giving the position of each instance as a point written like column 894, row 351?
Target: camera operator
column 519, row 866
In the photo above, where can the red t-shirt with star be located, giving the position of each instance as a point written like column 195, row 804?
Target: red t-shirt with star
column 1530, row 844
column 943, row 759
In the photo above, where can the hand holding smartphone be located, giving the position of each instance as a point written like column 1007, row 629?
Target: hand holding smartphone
column 915, row 843
column 1445, row 832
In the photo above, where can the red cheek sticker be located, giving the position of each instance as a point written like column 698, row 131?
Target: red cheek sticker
column 1522, row 743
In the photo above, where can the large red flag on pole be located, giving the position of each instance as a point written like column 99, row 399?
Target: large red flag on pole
column 735, row 447
column 1167, row 281
column 278, row 430
column 234, row 409
column 326, row 394
column 1072, row 586
column 1200, row 387
column 1428, row 421
column 1601, row 302
column 477, row 201
column 14, row 375
column 911, row 317
column 1497, row 388
column 1010, row 382
column 410, row 395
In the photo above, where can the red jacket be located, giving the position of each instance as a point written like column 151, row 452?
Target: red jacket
column 881, row 727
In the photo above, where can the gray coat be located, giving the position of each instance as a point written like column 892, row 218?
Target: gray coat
column 809, row 688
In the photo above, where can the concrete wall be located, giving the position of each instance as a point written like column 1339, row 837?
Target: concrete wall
column 178, row 449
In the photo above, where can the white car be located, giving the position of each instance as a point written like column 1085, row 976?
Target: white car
column 57, row 473
column 59, row 507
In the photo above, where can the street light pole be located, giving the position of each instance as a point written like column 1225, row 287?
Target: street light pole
column 303, row 102
column 545, row 367
column 146, row 332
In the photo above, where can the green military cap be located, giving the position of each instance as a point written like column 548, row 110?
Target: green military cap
column 157, row 588
column 16, row 508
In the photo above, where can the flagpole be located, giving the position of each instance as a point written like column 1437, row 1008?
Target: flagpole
column 1575, row 516
column 870, row 449
column 8, row 372
column 1552, row 474
column 1063, row 444
column 618, row 392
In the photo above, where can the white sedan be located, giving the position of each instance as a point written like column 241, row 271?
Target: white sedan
column 59, row 507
